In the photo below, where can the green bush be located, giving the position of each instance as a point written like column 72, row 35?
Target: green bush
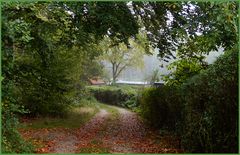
column 161, row 107
column 11, row 140
column 210, row 110
column 124, row 96
column 203, row 110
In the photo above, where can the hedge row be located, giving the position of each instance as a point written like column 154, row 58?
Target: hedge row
column 204, row 110
column 124, row 96
column 160, row 107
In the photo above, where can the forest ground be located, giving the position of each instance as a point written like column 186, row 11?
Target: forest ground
column 97, row 129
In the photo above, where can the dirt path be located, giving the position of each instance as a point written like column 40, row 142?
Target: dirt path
column 128, row 134
column 82, row 136
column 65, row 140
column 123, row 132
column 104, row 133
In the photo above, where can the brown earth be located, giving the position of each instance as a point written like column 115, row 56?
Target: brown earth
column 104, row 133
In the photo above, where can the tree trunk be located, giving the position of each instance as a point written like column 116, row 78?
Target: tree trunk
column 113, row 74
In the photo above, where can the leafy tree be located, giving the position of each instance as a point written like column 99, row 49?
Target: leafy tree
column 183, row 69
column 39, row 57
column 57, row 55
column 100, row 18
column 189, row 27
column 15, row 33
column 122, row 56
column 154, row 77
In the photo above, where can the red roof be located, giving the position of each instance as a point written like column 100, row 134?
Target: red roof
column 96, row 81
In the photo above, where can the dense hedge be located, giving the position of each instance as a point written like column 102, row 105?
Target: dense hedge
column 204, row 109
column 211, row 107
column 124, row 96
column 160, row 107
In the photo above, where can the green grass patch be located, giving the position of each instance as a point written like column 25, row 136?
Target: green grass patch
column 111, row 109
column 76, row 117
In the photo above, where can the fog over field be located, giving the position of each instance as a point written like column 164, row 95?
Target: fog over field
column 151, row 63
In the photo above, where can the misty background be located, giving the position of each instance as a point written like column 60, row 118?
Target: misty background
column 151, row 63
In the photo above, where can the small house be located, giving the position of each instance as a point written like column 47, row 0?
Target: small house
column 96, row 81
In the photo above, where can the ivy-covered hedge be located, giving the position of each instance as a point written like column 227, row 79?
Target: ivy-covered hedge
column 160, row 107
column 211, row 107
column 203, row 110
